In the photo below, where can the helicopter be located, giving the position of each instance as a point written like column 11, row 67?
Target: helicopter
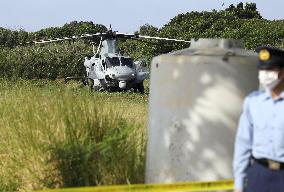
column 106, row 69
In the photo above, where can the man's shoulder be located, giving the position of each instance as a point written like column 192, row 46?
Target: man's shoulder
column 255, row 94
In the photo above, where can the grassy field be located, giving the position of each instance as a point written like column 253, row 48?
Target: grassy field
column 60, row 135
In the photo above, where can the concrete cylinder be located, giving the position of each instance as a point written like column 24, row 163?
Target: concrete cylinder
column 196, row 98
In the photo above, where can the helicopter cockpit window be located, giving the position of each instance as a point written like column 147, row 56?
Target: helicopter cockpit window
column 112, row 62
column 126, row 62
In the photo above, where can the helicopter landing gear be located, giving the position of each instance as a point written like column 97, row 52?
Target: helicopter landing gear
column 140, row 87
column 90, row 83
column 84, row 81
column 95, row 85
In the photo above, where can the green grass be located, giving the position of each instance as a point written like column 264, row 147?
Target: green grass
column 61, row 135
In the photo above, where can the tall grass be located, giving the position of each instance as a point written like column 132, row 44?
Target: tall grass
column 62, row 136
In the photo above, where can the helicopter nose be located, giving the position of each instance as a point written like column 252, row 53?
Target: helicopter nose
column 124, row 74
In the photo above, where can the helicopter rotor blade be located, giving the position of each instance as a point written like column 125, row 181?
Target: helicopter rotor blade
column 68, row 38
column 125, row 35
column 163, row 38
column 107, row 35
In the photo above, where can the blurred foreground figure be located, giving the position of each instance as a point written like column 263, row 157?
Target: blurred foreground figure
column 259, row 147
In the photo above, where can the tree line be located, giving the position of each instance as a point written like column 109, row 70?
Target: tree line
column 241, row 21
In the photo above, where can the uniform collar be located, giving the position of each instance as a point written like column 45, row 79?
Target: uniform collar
column 267, row 95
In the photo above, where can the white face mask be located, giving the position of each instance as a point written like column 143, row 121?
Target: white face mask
column 268, row 79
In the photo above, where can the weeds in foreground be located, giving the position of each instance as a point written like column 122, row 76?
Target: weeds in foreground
column 55, row 136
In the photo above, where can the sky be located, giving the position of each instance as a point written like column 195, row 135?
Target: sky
column 124, row 15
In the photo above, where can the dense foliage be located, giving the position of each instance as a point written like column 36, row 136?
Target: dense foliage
column 237, row 22
column 56, row 60
column 11, row 39
column 240, row 22
column 47, row 62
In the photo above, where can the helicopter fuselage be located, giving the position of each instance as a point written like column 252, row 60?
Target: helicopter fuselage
column 113, row 72
column 107, row 69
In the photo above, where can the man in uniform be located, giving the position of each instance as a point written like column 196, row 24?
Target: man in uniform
column 259, row 147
